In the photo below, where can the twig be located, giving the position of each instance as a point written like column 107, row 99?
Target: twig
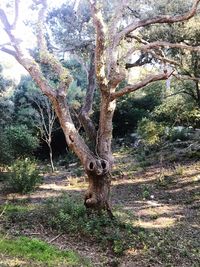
column 35, row 233
column 3, row 210
column 53, row 239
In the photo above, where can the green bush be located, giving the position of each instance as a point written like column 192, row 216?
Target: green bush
column 21, row 140
column 150, row 131
column 176, row 134
column 24, row 176
column 6, row 151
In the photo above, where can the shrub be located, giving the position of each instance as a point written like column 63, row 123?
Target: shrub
column 6, row 154
column 21, row 139
column 24, row 176
column 178, row 134
column 150, row 131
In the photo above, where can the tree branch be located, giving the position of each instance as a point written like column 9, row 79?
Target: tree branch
column 182, row 92
column 100, row 43
column 164, row 44
column 142, row 60
column 185, row 77
column 9, row 51
column 147, row 47
column 16, row 14
column 131, row 88
column 46, row 57
column 86, row 109
column 4, row 20
column 159, row 19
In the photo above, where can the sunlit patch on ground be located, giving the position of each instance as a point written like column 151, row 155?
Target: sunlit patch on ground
column 11, row 262
column 161, row 222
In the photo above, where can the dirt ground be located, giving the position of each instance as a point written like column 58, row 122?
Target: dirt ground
column 162, row 201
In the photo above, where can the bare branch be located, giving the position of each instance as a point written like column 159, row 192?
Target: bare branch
column 149, row 79
column 142, row 60
column 4, row 20
column 164, row 44
column 182, row 92
column 157, row 45
column 9, row 51
column 186, row 78
column 8, row 29
column 16, row 14
column 163, row 58
column 159, row 19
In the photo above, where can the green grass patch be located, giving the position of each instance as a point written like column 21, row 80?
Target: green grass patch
column 40, row 251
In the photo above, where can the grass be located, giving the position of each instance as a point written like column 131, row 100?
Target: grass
column 40, row 251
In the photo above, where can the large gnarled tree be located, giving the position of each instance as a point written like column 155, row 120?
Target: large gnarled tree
column 115, row 43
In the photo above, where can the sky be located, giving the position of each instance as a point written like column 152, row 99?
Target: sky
column 12, row 69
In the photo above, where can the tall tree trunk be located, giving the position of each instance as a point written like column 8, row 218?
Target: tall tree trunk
column 51, row 157
column 198, row 93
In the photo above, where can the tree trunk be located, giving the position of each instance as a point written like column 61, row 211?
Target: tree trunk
column 97, row 196
column 198, row 94
column 51, row 157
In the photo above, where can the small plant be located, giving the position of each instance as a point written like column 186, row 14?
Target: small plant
column 178, row 134
column 178, row 169
column 24, row 176
column 146, row 193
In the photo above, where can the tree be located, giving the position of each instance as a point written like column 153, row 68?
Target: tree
column 186, row 62
column 115, row 42
column 45, row 121
column 35, row 110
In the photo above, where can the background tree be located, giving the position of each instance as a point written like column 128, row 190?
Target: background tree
column 116, row 42
column 34, row 109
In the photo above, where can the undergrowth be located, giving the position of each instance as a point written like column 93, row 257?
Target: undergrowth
column 120, row 236
column 40, row 251
column 69, row 216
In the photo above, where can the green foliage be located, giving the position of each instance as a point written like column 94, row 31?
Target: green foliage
column 178, row 134
column 178, row 110
column 16, row 141
column 6, row 151
column 75, row 94
column 21, row 140
column 150, row 131
column 24, row 176
column 132, row 108
column 70, row 215
column 4, row 83
column 40, row 251
column 6, row 111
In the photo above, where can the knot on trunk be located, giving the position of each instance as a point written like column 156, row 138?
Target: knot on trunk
column 90, row 200
column 98, row 167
